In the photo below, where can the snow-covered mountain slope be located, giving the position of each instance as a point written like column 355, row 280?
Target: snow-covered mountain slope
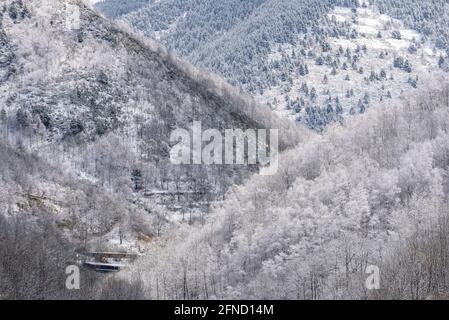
column 293, row 54
column 99, row 104
column 45, row 216
column 86, row 113
column 111, row 100
column 87, row 108
column 117, row 8
column 367, row 57
column 372, row 193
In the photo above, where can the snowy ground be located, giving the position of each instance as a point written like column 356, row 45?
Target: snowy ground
column 375, row 31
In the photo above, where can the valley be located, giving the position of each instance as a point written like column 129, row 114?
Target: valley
column 92, row 92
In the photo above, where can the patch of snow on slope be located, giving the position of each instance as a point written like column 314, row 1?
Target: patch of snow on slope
column 376, row 47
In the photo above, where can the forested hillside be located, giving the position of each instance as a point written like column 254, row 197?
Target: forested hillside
column 117, row 8
column 373, row 192
column 85, row 120
column 87, row 108
column 110, row 100
column 313, row 61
